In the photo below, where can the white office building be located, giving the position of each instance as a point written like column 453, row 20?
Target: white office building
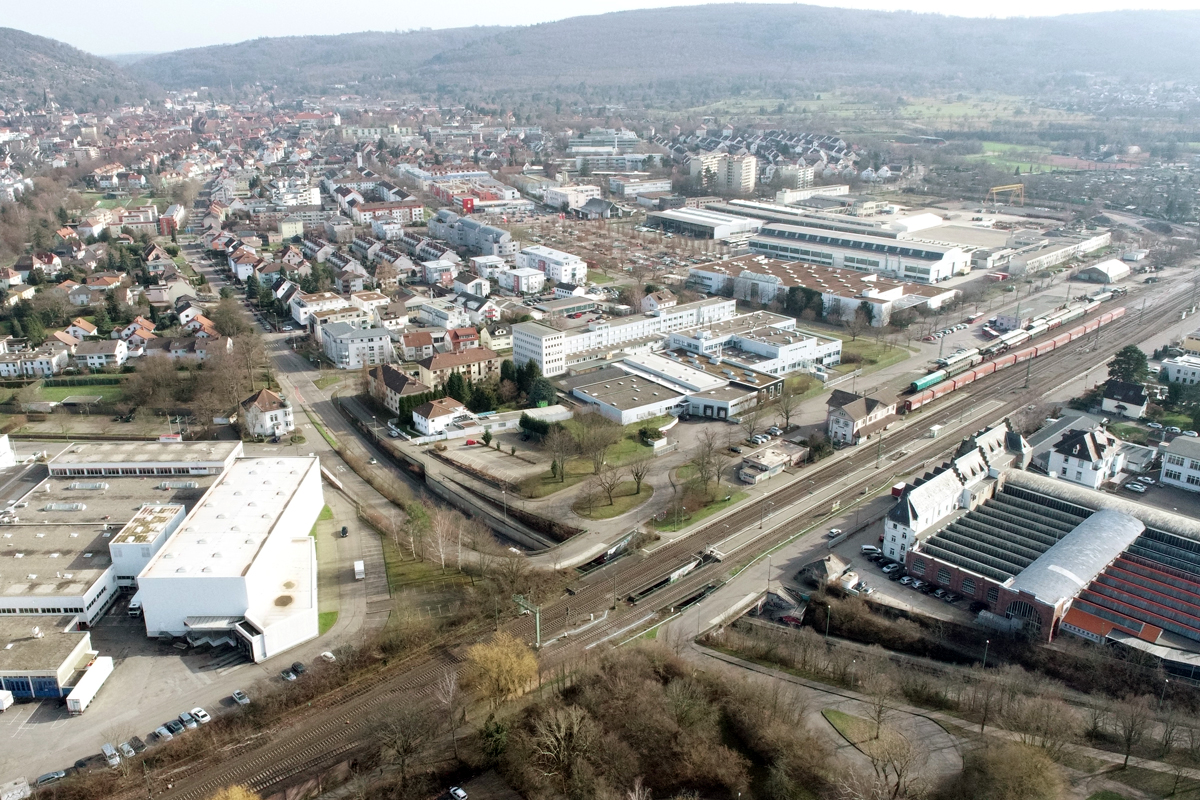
column 1182, row 369
column 1181, row 463
column 241, row 567
column 567, row 197
column 559, row 267
column 522, row 280
column 555, row 351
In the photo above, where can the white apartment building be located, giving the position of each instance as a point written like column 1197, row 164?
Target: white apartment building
column 349, row 347
column 541, row 343
column 1181, row 463
column 559, row 267
column 489, row 266
column 522, row 280
column 725, row 173
column 303, row 305
column 1182, row 369
column 570, row 196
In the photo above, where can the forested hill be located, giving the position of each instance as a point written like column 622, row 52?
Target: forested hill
column 712, row 48
column 31, row 65
column 684, row 54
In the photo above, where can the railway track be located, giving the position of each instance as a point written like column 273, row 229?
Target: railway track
column 311, row 741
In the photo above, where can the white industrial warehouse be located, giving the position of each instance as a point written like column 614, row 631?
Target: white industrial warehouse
column 213, row 544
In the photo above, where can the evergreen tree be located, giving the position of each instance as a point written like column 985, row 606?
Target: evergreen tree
column 543, row 392
column 17, row 330
column 1129, row 365
column 508, row 370
column 111, row 306
column 252, row 288
column 35, row 331
column 458, row 388
column 526, row 375
column 483, row 398
column 102, row 322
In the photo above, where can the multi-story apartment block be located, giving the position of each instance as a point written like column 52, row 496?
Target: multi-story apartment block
column 559, row 266
column 349, row 347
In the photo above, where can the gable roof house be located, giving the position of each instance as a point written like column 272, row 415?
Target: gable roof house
column 1087, row 457
column 1127, row 399
column 388, row 385
column 850, row 418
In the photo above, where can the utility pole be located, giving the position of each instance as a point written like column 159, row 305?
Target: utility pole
column 537, row 618
column 1143, row 314
column 879, row 452
column 1028, row 369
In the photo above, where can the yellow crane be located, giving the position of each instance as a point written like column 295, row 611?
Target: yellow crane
column 1015, row 192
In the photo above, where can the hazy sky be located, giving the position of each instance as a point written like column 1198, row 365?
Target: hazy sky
column 133, row 26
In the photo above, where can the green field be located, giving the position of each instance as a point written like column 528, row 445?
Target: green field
column 325, row 621
column 598, row 277
column 669, row 523
column 57, row 394
column 623, row 500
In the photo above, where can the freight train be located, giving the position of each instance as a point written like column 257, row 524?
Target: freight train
column 942, row 382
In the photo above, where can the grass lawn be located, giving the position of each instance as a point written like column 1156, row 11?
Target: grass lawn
column 325, row 621
column 326, row 513
column 712, row 508
column 110, row 393
column 184, row 266
column 598, row 277
column 1178, row 420
column 875, row 356
column 1159, row 784
column 1128, row 433
column 623, row 500
column 325, row 381
column 578, row 469
column 860, row 732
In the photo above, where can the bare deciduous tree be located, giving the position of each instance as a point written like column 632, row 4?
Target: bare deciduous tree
column 607, row 481
column 444, row 525
column 403, row 736
column 561, row 446
column 596, row 435
column 788, row 403
column 638, row 470
column 448, row 695
column 562, row 738
column 707, row 458
column 751, row 421
column 1132, row 717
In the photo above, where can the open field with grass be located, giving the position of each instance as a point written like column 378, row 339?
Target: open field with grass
column 1129, row 433
column 670, row 523
column 57, row 394
column 624, row 500
column 861, row 732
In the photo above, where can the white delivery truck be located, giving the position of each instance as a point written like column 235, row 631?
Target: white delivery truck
column 6, row 699
column 360, row 570
column 85, row 691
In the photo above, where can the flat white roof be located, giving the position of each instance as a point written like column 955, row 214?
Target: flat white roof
column 132, row 454
column 223, row 535
column 148, row 523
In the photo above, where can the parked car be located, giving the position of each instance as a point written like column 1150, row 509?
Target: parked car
column 50, row 777
column 298, row 668
column 328, row 656
column 1146, row 479
column 939, row 593
column 457, row 793
column 200, row 715
column 869, row 550
column 288, row 675
column 1157, row 426
column 163, row 734
column 890, row 568
column 834, row 533
column 126, row 749
column 918, row 584
column 175, row 726
column 1190, row 433
column 733, row 448
column 906, row 580
column 1173, row 429
column 241, row 698
column 1136, row 488
column 137, row 744
column 188, row 721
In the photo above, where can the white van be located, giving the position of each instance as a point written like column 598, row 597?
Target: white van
column 110, row 755
column 135, row 607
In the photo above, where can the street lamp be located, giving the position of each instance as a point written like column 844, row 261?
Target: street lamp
column 762, row 513
column 986, row 642
column 504, row 496
column 1163, row 696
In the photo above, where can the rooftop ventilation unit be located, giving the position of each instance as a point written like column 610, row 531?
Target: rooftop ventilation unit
column 65, row 507
column 180, row 485
column 87, row 485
